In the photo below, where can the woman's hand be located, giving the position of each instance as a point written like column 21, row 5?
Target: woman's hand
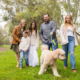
column 19, row 50
column 25, row 50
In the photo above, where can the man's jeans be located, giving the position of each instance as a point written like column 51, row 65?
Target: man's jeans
column 69, row 47
column 25, row 55
column 50, row 45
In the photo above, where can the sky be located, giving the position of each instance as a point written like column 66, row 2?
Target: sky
column 2, row 23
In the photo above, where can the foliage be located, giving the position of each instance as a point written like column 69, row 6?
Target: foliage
column 4, row 38
column 74, row 9
column 8, row 71
column 31, row 10
column 34, row 11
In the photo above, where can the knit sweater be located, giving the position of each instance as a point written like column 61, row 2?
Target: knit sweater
column 25, row 43
column 64, row 38
column 35, row 40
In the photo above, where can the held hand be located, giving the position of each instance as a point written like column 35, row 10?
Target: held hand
column 51, row 33
column 19, row 50
column 42, row 40
column 25, row 50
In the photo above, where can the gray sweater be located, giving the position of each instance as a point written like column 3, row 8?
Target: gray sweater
column 45, row 30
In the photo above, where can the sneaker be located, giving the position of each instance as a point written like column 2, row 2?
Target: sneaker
column 27, row 65
column 74, row 70
column 20, row 67
column 17, row 65
column 65, row 67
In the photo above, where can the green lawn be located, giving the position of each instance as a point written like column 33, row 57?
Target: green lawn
column 8, row 71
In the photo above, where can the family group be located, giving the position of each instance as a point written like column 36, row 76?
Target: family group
column 26, row 42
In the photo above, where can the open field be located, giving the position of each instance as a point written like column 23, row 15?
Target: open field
column 8, row 71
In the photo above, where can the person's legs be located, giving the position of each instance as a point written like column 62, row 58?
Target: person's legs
column 71, row 51
column 50, row 45
column 65, row 48
column 21, row 58
column 26, row 58
column 17, row 58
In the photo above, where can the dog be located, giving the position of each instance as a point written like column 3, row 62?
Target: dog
column 49, row 58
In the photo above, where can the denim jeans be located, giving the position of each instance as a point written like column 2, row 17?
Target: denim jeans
column 69, row 47
column 25, row 55
column 50, row 45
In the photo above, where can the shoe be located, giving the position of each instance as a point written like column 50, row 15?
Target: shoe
column 65, row 67
column 17, row 65
column 74, row 70
column 20, row 67
column 27, row 65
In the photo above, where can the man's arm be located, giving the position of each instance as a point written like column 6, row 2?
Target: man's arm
column 54, row 26
column 41, row 33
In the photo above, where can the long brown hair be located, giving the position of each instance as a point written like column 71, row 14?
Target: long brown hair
column 35, row 28
column 71, row 23
column 21, row 24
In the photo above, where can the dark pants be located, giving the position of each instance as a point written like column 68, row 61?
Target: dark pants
column 51, row 45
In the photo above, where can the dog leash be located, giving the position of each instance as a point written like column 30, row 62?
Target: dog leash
column 53, row 42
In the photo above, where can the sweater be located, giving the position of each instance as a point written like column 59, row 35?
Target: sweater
column 64, row 37
column 25, row 43
column 35, row 40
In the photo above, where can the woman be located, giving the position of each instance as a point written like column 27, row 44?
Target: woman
column 69, row 41
column 33, row 56
column 17, row 35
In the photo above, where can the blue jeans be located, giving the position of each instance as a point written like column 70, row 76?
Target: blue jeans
column 23, row 54
column 69, row 47
column 50, row 45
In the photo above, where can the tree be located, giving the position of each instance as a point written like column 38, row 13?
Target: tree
column 35, row 10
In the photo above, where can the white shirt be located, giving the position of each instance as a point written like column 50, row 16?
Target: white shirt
column 35, row 39
column 64, row 38
column 25, row 43
column 70, row 31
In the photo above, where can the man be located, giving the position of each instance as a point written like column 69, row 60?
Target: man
column 48, row 30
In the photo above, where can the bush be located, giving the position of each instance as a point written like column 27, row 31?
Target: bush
column 6, row 40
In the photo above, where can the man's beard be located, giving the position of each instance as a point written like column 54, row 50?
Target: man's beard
column 47, row 21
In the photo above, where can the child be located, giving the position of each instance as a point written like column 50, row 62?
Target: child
column 24, row 48
column 33, row 56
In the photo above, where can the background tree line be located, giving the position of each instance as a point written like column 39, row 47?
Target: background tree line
column 33, row 10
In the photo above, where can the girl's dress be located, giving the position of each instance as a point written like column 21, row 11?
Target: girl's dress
column 33, row 56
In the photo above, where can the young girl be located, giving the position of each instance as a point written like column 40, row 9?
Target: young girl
column 33, row 57
column 24, row 48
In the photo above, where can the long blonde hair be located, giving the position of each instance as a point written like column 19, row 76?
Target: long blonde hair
column 71, row 23
column 21, row 24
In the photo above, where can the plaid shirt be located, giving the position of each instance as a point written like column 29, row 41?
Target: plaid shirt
column 45, row 30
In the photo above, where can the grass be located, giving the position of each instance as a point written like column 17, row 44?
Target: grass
column 8, row 71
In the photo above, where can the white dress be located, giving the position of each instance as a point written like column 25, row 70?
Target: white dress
column 33, row 56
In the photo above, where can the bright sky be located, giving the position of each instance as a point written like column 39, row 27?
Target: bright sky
column 2, row 23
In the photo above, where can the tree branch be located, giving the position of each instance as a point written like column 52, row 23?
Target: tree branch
column 77, row 33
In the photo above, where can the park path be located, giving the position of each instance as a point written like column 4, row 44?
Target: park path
column 4, row 49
